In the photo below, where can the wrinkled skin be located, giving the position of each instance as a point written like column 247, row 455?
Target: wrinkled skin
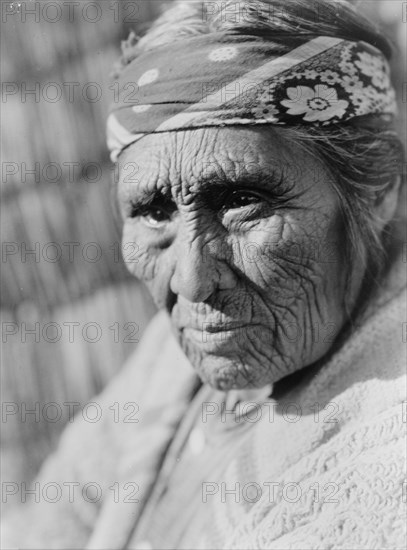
column 238, row 235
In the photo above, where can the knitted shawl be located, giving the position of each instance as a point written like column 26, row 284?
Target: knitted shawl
column 351, row 472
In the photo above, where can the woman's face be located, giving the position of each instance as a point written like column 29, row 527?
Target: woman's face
column 238, row 235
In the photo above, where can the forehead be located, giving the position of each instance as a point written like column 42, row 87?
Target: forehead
column 183, row 161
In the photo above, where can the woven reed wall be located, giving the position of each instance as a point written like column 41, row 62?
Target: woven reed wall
column 56, row 201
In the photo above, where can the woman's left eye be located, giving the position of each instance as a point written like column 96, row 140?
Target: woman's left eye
column 155, row 216
column 241, row 199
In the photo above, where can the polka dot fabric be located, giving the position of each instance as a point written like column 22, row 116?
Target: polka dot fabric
column 223, row 54
column 221, row 79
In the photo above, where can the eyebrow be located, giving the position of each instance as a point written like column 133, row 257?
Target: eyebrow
column 212, row 185
column 215, row 184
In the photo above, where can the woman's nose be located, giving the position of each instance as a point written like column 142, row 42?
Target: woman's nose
column 197, row 273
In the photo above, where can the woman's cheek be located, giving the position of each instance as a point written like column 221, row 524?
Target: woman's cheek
column 150, row 265
column 261, row 252
column 280, row 259
column 136, row 252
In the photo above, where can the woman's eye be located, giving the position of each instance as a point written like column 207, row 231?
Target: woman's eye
column 241, row 199
column 155, row 216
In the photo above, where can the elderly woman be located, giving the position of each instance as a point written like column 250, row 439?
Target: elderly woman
column 259, row 189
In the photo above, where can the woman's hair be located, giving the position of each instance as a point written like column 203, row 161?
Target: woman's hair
column 365, row 156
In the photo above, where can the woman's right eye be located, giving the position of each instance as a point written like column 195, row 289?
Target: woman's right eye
column 152, row 215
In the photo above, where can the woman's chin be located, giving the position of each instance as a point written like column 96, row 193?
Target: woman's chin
column 226, row 373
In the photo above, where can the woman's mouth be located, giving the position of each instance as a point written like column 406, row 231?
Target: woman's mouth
column 218, row 337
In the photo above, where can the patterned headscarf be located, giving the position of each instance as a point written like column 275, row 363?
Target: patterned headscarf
column 224, row 79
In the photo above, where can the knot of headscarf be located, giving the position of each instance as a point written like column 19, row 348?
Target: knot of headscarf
column 223, row 79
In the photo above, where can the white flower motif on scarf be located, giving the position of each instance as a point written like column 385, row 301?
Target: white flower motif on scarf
column 369, row 64
column 348, row 68
column 375, row 97
column 310, row 73
column 330, row 77
column 381, row 80
column 266, row 111
column 351, row 82
column 318, row 104
column 372, row 93
column 346, row 53
column 264, row 108
column 359, row 101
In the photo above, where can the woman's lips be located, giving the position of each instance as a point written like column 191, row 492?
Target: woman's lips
column 214, row 330
column 218, row 336
column 209, row 318
column 211, row 341
column 211, row 328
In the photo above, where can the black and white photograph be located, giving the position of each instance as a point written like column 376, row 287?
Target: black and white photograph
column 203, row 275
